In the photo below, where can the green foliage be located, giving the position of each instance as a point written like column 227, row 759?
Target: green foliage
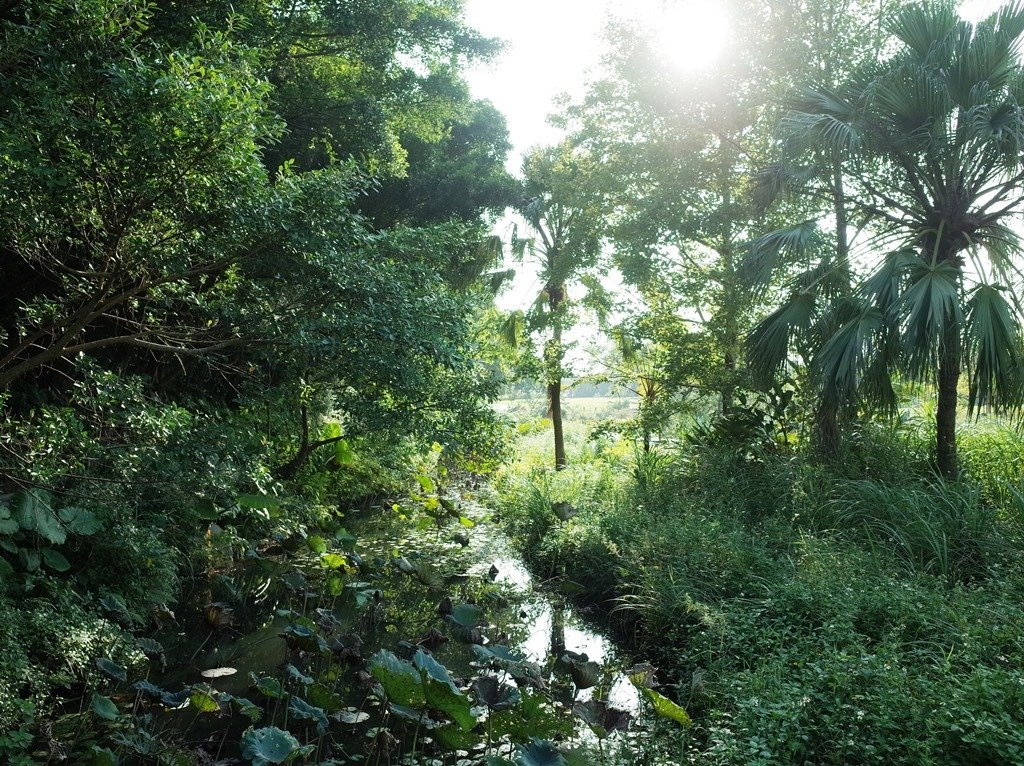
column 864, row 616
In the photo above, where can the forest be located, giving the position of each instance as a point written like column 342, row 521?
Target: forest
column 335, row 428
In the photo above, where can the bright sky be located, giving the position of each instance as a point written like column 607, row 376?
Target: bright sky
column 552, row 43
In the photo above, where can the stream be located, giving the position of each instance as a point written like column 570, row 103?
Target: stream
column 305, row 636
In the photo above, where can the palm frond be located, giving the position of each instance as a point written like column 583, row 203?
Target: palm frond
column 884, row 287
column 598, row 299
column 993, row 334
column 770, row 341
column 845, row 359
column 777, row 249
column 1003, row 247
column 1007, row 20
column 496, row 280
column 930, row 300
column 512, row 329
column 984, row 57
column 924, row 28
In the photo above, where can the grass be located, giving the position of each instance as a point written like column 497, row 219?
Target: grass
column 867, row 614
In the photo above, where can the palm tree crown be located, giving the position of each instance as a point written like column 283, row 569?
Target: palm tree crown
column 931, row 136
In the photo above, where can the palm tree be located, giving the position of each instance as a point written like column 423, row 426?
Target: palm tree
column 933, row 136
column 566, row 220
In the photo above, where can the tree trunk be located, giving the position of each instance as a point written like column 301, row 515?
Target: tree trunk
column 553, row 363
column 827, row 432
column 945, row 413
column 555, row 406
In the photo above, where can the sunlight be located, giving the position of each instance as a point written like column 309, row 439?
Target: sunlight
column 691, row 34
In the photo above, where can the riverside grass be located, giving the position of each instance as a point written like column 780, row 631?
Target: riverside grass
column 863, row 615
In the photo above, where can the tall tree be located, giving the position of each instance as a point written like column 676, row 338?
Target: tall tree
column 566, row 219
column 933, row 135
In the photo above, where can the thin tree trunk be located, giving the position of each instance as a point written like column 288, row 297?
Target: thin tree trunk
column 553, row 359
column 555, row 405
column 945, row 413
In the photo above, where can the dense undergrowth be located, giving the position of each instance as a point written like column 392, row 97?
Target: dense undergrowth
column 866, row 612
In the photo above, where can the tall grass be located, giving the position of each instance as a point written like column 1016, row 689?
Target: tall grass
column 865, row 613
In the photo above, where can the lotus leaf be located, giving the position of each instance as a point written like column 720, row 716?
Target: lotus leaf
column 401, row 681
column 271, row 745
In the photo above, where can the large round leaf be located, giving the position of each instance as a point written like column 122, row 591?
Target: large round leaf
column 306, row 712
column 666, row 708
column 540, row 753
column 401, row 681
column 271, row 745
column 33, row 511
column 442, row 693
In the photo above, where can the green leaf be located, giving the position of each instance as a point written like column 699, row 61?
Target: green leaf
column 111, row 669
column 55, row 559
column 316, row 543
column 259, row 502
column 401, row 681
column 104, row 707
column 427, row 574
column 205, row 510
column 539, row 753
column 102, row 756
column 33, row 511
column 80, row 521
column 534, row 717
column 456, row 738
column 343, row 452
column 585, row 674
column 298, row 675
column 6, row 570
column 467, row 615
column 30, row 559
column 150, row 646
column 345, row 539
column 204, row 701
column 268, row 687
column 666, row 708
column 442, row 693
column 306, row 712
column 248, row 708
column 323, row 697
column 494, row 694
column 334, row 561
column 8, row 526
column 271, row 745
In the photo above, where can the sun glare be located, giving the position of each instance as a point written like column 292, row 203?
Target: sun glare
column 691, row 34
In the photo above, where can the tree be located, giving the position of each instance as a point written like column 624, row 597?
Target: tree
column 932, row 135
column 567, row 220
column 677, row 155
column 461, row 176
